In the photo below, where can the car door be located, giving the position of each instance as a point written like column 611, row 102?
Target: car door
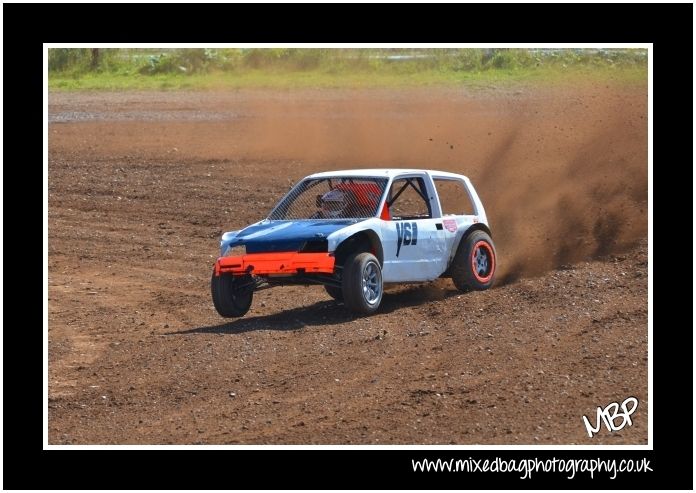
column 413, row 240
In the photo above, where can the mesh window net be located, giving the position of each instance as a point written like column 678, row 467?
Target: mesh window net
column 332, row 198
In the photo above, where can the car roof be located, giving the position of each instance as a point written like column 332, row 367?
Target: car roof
column 383, row 173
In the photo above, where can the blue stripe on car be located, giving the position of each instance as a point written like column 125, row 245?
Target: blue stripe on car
column 286, row 236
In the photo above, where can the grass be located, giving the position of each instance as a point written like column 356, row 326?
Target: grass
column 322, row 79
column 210, row 69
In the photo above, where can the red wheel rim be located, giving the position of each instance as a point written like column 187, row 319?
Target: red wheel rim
column 482, row 261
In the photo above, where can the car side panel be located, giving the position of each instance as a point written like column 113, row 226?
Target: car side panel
column 414, row 250
column 335, row 238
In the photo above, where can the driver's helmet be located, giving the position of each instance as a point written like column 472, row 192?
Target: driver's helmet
column 334, row 203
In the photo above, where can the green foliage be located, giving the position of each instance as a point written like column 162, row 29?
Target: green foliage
column 284, row 58
column 509, row 59
column 81, row 60
column 188, row 61
column 335, row 60
column 60, row 59
column 72, row 68
column 468, row 60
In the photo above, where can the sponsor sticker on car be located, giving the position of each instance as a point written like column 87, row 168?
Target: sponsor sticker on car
column 450, row 225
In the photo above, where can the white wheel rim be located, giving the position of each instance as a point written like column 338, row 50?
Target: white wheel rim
column 371, row 283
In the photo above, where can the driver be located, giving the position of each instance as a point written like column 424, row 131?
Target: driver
column 334, row 204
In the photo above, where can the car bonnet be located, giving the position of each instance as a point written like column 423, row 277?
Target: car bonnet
column 286, row 236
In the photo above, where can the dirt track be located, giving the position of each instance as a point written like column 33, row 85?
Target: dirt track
column 141, row 185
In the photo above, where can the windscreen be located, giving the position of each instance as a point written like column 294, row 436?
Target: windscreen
column 332, row 198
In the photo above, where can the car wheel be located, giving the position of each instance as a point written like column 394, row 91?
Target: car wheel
column 474, row 264
column 228, row 299
column 334, row 292
column 362, row 283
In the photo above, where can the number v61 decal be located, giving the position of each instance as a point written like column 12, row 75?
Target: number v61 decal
column 407, row 234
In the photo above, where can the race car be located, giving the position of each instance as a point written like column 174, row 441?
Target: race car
column 355, row 231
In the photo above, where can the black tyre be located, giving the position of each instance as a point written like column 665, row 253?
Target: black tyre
column 228, row 299
column 334, row 292
column 473, row 267
column 362, row 283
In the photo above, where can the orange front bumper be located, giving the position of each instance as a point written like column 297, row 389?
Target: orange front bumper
column 276, row 263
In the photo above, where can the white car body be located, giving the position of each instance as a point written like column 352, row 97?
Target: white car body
column 430, row 257
column 367, row 228
column 424, row 260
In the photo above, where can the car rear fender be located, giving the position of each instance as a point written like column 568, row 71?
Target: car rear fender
column 463, row 234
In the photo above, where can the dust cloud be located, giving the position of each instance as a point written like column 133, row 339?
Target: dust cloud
column 563, row 173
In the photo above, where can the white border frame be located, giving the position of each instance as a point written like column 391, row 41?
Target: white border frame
column 47, row 446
